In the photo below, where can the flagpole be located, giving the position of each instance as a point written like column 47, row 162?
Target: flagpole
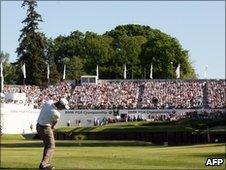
column 24, row 73
column 178, row 71
column 1, row 89
column 97, row 72
column 205, row 72
column 48, row 73
column 124, row 71
column 151, row 72
column 1, row 78
column 64, row 73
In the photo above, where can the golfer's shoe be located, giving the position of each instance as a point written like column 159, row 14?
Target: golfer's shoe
column 47, row 167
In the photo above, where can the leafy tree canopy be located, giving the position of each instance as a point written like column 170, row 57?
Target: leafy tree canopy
column 135, row 45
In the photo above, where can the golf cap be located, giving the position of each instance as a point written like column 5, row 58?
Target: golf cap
column 64, row 103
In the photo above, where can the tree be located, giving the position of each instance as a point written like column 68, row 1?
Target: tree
column 128, row 52
column 50, row 59
column 9, row 70
column 4, row 57
column 132, row 30
column 160, row 49
column 75, row 68
column 32, row 44
column 165, row 53
column 98, row 51
column 69, row 46
column 10, row 74
column 136, row 46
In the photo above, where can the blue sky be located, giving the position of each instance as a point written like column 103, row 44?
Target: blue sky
column 199, row 26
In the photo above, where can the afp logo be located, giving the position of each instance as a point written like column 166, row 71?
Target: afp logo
column 214, row 161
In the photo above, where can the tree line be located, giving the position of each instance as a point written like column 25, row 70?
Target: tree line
column 135, row 45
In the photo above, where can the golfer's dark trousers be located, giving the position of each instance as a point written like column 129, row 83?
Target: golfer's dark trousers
column 46, row 134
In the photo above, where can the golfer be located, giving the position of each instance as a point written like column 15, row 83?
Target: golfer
column 47, row 119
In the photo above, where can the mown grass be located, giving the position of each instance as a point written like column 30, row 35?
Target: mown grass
column 17, row 137
column 19, row 151
column 109, row 155
column 11, row 137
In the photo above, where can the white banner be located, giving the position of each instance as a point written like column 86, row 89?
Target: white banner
column 97, row 72
column 48, row 72
column 205, row 72
column 178, row 71
column 151, row 72
column 124, row 71
column 24, row 70
column 64, row 73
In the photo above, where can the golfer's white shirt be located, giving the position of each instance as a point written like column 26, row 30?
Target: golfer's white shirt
column 48, row 114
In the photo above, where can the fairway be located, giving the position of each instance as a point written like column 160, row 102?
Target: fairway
column 17, row 153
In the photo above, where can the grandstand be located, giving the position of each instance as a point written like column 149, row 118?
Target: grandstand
column 130, row 94
column 109, row 101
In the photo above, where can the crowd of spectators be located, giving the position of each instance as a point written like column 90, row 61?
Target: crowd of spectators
column 129, row 94
column 12, row 89
column 206, row 114
column 176, row 116
column 105, row 95
column 166, row 117
column 172, row 94
column 216, row 94
column 38, row 95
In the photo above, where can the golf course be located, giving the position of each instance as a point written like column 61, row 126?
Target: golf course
column 19, row 152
